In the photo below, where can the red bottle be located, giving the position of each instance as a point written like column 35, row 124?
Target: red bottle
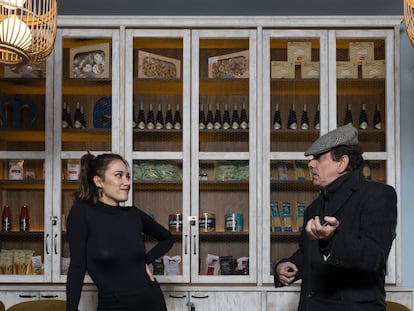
column 6, row 219
column 24, row 218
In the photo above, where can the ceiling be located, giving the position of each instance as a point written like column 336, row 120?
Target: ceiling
column 231, row 7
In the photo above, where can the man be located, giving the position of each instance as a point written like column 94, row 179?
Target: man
column 348, row 234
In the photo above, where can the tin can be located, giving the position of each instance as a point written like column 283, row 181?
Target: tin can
column 175, row 222
column 233, row 222
column 207, row 222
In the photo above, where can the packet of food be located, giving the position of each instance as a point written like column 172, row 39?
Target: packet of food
column 213, row 264
column 172, row 265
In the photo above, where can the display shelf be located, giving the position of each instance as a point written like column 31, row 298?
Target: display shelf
column 224, row 87
column 17, row 86
column 99, row 87
column 292, row 185
column 22, row 135
column 224, row 236
column 285, row 237
column 22, row 185
column 17, row 236
column 157, row 87
column 86, row 135
column 287, row 135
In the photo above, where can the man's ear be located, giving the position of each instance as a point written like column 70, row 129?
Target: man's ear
column 344, row 162
column 98, row 181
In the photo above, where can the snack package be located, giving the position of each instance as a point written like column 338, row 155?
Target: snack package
column 172, row 265
column 212, row 264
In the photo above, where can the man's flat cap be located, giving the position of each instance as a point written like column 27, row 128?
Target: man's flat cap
column 342, row 136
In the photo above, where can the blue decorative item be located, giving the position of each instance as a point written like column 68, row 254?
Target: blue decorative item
column 102, row 113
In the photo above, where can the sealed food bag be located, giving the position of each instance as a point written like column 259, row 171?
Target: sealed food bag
column 212, row 264
column 172, row 265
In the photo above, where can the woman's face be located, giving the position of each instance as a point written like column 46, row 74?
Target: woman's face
column 116, row 184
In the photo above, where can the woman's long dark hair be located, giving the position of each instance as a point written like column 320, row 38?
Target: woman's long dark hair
column 92, row 166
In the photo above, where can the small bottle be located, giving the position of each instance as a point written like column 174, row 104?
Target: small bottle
column 24, row 218
column 363, row 118
column 177, row 118
column 377, row 118
column 235, row 120
column 150, row 118
column 159, row 124
column 202, row 118
column 66, row 119
column 317, row 120
column 6, row 219
column 226, row 118
column 210, row 118
column 244, row 119
column 168, row 118
column 304, row 120
column 277, row 120
column 217, row 118
column 292, row 120
column 78, row 116
column 348, row 115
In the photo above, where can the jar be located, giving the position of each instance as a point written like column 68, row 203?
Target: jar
column 175, row 222
column 207, row 222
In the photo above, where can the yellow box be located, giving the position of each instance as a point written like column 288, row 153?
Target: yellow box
column 310, row 70
column 90, row 62
column 233, row 65
column 153, row 66
column 282, row 70
column 361, row 52
column 346, row 70
column 299, row 52
column 374, row 69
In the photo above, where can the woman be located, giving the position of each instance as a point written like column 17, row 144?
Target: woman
column 106, row 240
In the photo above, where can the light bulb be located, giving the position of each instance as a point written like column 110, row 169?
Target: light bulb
column 15, row 33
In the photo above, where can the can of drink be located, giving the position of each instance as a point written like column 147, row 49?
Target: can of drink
column 233, row 222
column 207, row 222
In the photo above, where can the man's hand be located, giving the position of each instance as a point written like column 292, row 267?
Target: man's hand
column 321, row 231
column 286, row 272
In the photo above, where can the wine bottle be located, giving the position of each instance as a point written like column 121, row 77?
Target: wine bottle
column 292, row 120
column 177, row 117
column 6, row 224
column 363, row 118
column 226, row 118
column 217, row 118
column 304, row 120
column 66, row 120
column 210, row 118
column 77, row 119
column 317, row 120
column 348, row 115
column 150, row 118
column 277, row 120
column 82, row 117
column 235, row 120
column 141, row 117
column 24, row 218
column 202, row 118
column 377, row 118
column 134, row 118
column 168, row 118
column 244, row 119
column 159, row 122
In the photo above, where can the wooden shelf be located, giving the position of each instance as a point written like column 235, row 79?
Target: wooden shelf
column 157, row 185
column 228, row 185
column 98, row 87
column 22, row 135
column 22, row 185
column 18, row 236
column 224, row 87
column 294, row 135
column 293, row 185
column 158, row 87
column 224, row 236
column 285, row 236
column 86, row 135
column 20, row 86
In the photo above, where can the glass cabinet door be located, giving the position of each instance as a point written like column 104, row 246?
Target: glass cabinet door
column 86, row 117
column 294, row 114
column 362, row 72
column 223, row 170
column 25, row 239
column 157, row 138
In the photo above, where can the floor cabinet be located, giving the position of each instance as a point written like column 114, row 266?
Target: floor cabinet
column 213, row 116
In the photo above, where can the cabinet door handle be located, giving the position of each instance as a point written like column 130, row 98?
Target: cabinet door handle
column 185, row 244
column 27, row 296
column 55, row 244
column 199, row 297
column 47, row 244
column 195, row 244
column 178, row 296
column 49, row 296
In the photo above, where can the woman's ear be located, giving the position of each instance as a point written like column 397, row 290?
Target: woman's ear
column 98, row 181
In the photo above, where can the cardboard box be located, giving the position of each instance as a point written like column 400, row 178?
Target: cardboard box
column 310, row 70
column 229, row 66
column 346, row 70
column 282, row 70
column 374, row 69
column 299, row 52
column 90, row 62
column 361, row 52
column 153, row 66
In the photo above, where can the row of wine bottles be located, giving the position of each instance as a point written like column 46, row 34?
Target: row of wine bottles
column 292, row 123
column 78, row 119
column 219, row 120
column 152, row 120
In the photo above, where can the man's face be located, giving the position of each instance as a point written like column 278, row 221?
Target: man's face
column 324, row 169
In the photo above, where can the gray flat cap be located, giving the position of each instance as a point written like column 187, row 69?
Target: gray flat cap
column 342, row 136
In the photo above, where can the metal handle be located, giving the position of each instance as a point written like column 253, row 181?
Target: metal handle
column 195, row 244
column 55, row 244
column 199, row 297
column 49, row 296
column 177, row 296
column 185, row 244
column 27, row 296
column 47, row 244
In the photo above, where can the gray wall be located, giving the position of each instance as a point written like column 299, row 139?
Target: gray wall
column 297, row 8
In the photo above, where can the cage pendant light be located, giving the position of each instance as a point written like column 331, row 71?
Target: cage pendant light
column 409, row 19
column 27, row 30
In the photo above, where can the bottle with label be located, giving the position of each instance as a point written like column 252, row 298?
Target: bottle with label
column 141, row 117
column 363, row 118
column 377, row 118
column 150, row 118
column 226, row 118
column 82, row 117
column 6, row 219
column 168, row 118
column 235, row 120
column 217, row 118
column 210, row 118
column 292, row 120
column 277, row 120
column 317, row 120
column 202, row 118
column 304, row 120
column 66, row 118
column 159, row 122
column 24, row 218
column 244, row 119
column 348, row 115
column 177, row 118
column 78, row 117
